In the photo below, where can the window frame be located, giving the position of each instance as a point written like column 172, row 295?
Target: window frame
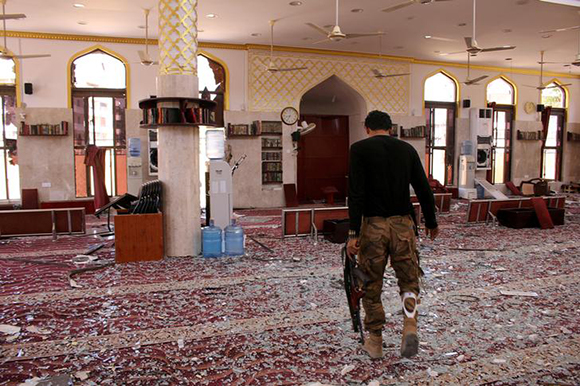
column 86, row 94
column 561, row 114
column 508, row 149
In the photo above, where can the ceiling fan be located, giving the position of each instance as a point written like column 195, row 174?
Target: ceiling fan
column 541, row 86
column 4, row 54
column 472, row 47
column 468, row 81
column 576, row 61
column 271, row 67
column 144, row 55
column 336, row 34
column 377, row 73
column 410, row 2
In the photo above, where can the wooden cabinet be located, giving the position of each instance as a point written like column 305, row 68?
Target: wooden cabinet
column 138, row 237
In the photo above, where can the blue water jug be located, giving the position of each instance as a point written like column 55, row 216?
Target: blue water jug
column 211, row 240
column 234, row 235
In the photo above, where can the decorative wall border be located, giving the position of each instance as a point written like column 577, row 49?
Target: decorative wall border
column 246, row 47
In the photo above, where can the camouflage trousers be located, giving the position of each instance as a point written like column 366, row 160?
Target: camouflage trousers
column 380, row 239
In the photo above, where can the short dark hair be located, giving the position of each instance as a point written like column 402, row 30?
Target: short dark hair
column 378, row 120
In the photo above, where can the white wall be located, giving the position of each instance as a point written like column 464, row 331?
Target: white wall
column 49, row 77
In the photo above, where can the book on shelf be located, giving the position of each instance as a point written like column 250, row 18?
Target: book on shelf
column 272, row 177
column 270, row 127
column 44, row 129
column 413, row 132
column 271, row 143
column 530, row 135
column 272, row 166
column 272, row 156
column 186, row 114
column 243, row 130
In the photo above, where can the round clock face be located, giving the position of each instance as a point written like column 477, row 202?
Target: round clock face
column 529, row 107
column 289, row 115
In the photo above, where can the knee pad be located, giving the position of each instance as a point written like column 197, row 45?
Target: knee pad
column 404, row 297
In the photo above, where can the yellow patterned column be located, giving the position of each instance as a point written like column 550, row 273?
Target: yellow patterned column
column 178, row 149
column 177, row 37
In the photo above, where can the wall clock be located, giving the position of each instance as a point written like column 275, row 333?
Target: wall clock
column 289, row 115
column 529, row 107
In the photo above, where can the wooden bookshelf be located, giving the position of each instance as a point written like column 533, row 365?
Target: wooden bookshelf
column 44, row 130
column 413, row 132
column 271, row 151
column 237, row 130
column 193, row 112
column 573, row 137
column 529, row 135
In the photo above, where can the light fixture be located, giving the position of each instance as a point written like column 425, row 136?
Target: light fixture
column 295, row 3
column 461, row 24
column 211, row 15
column 572, row 3
column 357, row 10
column 82, row 22
column 506, row 30
column 547, row 36
column 141, row 26
column 200, row 30
column 399, row 47
column 428, row 36
column 256, row 34
column 508, row 59
column 78, row 5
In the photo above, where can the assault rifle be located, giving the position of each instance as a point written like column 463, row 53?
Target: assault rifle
column 355, row 281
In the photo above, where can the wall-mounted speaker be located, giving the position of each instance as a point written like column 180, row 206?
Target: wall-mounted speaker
column 466, row 103
column 539, row 108
column 28, row 88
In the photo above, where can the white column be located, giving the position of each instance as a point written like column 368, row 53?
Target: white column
column 179, row 146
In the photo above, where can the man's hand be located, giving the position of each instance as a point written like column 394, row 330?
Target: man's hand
column 432, row 233
column 353, row 246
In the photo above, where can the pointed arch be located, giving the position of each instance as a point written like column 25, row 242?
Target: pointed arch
column 449, row 75
column 226, row 73
column 507, row 80
column 564, row 89
column 319, row 81
column 108, row 51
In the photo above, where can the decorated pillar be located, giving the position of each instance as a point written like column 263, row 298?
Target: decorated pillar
column 179, row 145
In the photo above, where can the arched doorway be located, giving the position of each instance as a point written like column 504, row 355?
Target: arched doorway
column 338, row 111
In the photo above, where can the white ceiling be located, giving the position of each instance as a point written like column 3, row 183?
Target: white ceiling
column 499, row 22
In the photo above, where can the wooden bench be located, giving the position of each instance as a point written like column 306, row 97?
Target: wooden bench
column 308, row 221
column 42, row 222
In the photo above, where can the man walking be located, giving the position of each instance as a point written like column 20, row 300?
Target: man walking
column 382, row 225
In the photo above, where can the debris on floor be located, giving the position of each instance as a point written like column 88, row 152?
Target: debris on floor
column 499, row 306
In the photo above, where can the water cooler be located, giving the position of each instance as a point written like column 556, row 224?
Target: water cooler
column 220, row 179
column 134, row 167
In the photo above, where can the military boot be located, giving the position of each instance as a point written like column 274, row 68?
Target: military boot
column 410, row 342
column 374, row 345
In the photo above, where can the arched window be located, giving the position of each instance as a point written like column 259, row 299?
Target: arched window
column 501, row 96
column 212, row 83
column 99, row 89
column 440, row 96
column 440, row 88
column 501, row 92
column 554, row 96
column 9, row 174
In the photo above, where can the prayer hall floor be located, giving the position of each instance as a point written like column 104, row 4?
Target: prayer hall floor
column 281, row 317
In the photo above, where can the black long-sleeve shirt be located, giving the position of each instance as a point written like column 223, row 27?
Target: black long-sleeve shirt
column 381, row 169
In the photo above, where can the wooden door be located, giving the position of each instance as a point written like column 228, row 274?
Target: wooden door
column 323, row 158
